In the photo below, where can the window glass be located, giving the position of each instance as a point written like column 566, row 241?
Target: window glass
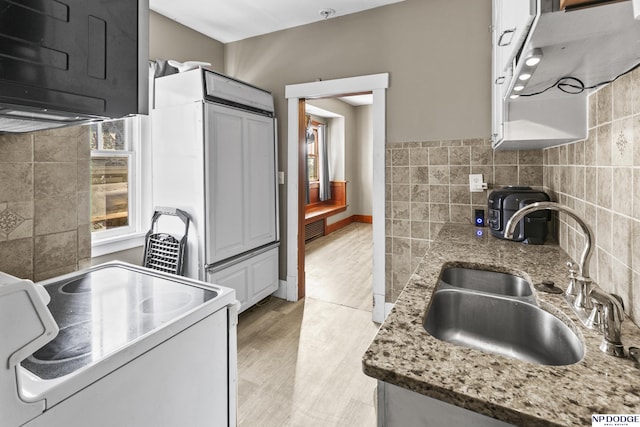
column 112, row 160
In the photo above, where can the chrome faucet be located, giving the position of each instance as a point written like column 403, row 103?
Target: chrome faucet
column 607, row 314
column 607, row 317
column 578, row 293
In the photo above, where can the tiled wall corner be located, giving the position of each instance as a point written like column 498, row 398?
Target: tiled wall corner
column 44, row 199
column 600, row 178
column 427, row 185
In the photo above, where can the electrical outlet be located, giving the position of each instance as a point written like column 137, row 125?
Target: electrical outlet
column 476, row 185
column 280, row 177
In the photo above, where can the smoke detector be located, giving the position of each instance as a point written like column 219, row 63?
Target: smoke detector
column 327, row 13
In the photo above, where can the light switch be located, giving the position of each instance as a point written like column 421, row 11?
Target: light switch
column 280, row 177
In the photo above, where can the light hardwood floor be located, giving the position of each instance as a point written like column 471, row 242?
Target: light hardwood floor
column 299, row 363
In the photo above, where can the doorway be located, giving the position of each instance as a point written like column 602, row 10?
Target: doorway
column 338, row 184
column 296, row 94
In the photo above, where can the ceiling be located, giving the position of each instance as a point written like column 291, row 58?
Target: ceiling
column 232, row 20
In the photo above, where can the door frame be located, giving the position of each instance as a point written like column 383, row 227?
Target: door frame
column 377, row 85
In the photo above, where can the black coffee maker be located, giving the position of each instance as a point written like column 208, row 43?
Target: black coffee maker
column 503, row 203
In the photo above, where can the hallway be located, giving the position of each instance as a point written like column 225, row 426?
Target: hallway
column 300, row 363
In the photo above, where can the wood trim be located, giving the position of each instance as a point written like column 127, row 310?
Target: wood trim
column 302, row 159
column 367, row 219
column 330, row 228
column 323, row 212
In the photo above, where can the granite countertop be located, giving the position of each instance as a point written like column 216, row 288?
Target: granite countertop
column 517, row 392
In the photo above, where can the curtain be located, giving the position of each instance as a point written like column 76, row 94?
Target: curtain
column 309, row 139
column 323, row 154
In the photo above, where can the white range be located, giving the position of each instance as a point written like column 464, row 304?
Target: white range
column 117, row 345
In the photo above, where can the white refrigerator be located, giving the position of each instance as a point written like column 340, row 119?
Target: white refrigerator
column 214, row 156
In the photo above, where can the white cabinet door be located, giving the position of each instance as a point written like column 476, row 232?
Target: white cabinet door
column 512, row 26
column 240, row 182
column 253, row 278
column 511, row 23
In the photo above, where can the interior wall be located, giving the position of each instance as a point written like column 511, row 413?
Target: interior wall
column 170, row 40
column 600, row 178
column 425, row 46
column 364, row 156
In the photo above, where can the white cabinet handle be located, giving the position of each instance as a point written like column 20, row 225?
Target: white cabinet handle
column 510, row 32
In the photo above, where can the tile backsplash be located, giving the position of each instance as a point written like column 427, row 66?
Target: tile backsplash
column 427, row 185
column 600, row 178
column 44, row 202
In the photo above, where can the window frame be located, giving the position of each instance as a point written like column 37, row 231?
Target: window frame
column 316, row 155
column 129, row 236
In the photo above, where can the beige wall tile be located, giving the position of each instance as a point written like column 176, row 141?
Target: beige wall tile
column 420, row 174
column 622, row 142
column 438, row 175
column 54, row 215
column 603, row 145
column 419, row 156
column 439, row 156
column 530, row 175
column 400, row 157
column 17, row 182
column 606, row 180
column 605, row 177
column 622, row 190
column 460, row 156
column 54, row 179
column 604, row 103
column 505, row 175
column 622, row 97
column 419, row 193
column 17, row 258
column 30, row 171
column 49, row 148
column 16, row 148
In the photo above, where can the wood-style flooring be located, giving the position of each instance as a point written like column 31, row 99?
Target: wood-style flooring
column 299, row 364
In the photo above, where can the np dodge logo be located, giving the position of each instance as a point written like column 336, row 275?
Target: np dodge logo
column 615, row 420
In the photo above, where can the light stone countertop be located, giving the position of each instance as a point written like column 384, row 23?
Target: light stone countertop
column 521, row 393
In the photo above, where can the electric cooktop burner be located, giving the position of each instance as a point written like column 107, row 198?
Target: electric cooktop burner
column 102, row 310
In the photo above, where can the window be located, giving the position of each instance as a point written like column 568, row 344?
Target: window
column 312, row 151
column 114, row 208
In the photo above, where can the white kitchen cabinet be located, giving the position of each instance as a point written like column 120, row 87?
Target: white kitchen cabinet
column 253, row 279
column 591, row 46
column 399, row 407
column 511, row 21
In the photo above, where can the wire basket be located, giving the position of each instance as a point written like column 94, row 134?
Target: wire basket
column 164, row 251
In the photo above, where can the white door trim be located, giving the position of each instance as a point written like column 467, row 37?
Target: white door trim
column 377, row 84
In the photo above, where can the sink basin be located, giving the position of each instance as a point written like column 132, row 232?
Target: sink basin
column 503, row 326
column 486, row 281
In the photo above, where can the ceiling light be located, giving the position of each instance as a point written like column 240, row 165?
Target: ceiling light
column 524, row 76
column 327, row 13
column 518, row 88
column 514, row 96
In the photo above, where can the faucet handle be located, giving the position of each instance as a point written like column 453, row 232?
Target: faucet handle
column 573, row 269
column 595, row 318
column 573, row 275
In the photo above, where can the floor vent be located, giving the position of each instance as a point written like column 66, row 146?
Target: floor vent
column 313, row 230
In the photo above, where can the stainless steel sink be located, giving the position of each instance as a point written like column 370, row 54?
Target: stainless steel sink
column 503, row 326
column 486, row 281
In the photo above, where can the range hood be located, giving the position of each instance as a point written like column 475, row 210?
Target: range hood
column 68, row 62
